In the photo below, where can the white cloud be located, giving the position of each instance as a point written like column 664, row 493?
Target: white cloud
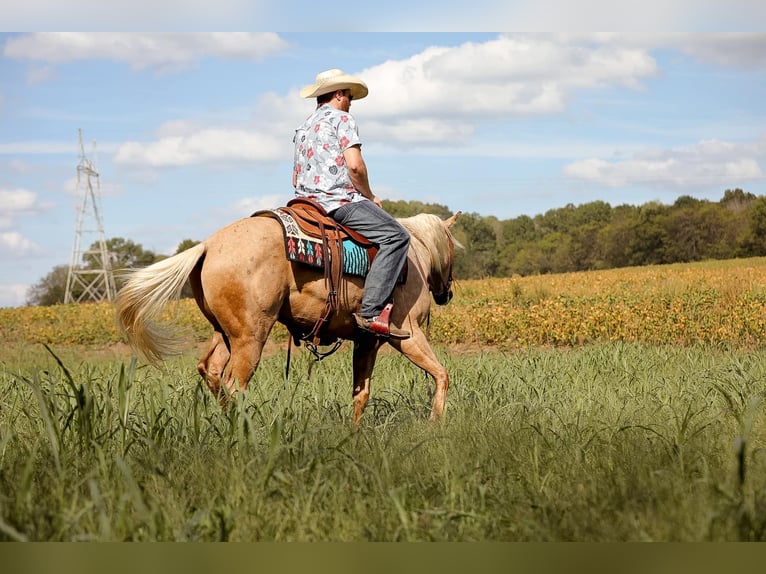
column 211, row 145
column 13, row 294
column 438, row 96
column 13, row 245
column 18, row 202
column 17, row 199
column 513, row 75
column 708, row 163
column 441, row 94
column 159, row 52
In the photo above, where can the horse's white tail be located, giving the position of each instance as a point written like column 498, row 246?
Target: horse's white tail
column 141, row 301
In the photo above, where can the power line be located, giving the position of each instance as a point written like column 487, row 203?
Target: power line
column 90, row 275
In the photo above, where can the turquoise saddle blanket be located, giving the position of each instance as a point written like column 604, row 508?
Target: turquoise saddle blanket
column 301, row 248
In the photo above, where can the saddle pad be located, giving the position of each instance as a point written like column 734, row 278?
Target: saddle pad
column 301, row 248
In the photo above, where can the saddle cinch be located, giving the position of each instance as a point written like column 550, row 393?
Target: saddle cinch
column 315, row 238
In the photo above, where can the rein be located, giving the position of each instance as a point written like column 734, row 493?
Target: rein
column 314, row 350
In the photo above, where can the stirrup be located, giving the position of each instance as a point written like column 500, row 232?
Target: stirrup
column 380, row 325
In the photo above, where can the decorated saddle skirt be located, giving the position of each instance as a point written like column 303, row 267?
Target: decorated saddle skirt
column 300, row 247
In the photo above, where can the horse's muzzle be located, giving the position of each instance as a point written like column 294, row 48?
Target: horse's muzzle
column 443, row 298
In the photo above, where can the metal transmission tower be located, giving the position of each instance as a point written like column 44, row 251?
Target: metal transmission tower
column 90, row 271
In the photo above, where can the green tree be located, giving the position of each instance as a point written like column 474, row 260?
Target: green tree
column 185, row 244
column 649, row 235
column 737, row 200
column 125, row 254
column 585, row 250
column 556, row 250
column 50, row 289
column 754, row 242
column 519, row 230
column 702, row 230
column 528, row 260
column 479, row 237
column 409, row 208
column 593, row 213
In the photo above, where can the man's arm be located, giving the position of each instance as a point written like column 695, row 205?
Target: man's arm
column 357, row 171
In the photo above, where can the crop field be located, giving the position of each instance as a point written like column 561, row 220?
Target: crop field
column 622, row 405
column 720, row 302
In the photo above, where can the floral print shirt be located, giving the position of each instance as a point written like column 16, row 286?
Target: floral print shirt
column 319, row 165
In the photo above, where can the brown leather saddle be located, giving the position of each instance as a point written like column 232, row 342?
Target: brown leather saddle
column 314, row 222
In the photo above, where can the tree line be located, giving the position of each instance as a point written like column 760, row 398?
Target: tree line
column 586, row 237
column 596, row 235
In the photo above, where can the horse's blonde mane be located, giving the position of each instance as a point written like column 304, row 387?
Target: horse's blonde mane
column 433, row 238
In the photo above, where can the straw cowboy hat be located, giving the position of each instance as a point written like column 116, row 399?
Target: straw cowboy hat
column 335, row 79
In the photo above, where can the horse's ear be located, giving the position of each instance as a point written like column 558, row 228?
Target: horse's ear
column 451, row 221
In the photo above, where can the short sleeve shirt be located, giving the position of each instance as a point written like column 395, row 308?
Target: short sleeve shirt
column 320, row 168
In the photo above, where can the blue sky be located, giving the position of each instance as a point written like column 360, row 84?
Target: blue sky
column 193, row 130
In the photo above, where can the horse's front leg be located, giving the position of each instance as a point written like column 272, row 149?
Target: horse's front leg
column 418, row 350
column 365, row 353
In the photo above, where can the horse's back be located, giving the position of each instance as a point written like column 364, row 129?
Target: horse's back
column 245, row 263
column 249, row 229
column 252, row 239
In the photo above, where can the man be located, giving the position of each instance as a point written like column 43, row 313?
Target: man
column 329, row 169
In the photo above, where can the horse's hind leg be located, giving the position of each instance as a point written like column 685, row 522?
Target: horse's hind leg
column 365, row 352
column 246, row 353
column 418, row 350
column 212, row 364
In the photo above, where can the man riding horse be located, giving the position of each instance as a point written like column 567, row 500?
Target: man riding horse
column 329, row 169
column 244, row 281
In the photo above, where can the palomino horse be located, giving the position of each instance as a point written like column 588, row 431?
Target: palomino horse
column 244, row 284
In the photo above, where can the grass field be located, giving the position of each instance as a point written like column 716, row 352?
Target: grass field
column 608, row 442
column 602, row 439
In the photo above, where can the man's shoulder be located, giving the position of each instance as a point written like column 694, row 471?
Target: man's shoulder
column 329, row 114
column 338, row 115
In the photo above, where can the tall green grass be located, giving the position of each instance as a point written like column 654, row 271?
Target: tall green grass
column 612, row 442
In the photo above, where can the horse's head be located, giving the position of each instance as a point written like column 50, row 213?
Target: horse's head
column 441, row 277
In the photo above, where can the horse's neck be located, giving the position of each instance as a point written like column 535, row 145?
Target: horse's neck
column 423, row 256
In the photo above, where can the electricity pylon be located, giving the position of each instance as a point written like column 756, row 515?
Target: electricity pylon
column 90, row 275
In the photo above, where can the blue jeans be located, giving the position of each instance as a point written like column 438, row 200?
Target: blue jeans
column 393, row 242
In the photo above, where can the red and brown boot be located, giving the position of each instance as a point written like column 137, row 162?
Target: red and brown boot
column 380, row 325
